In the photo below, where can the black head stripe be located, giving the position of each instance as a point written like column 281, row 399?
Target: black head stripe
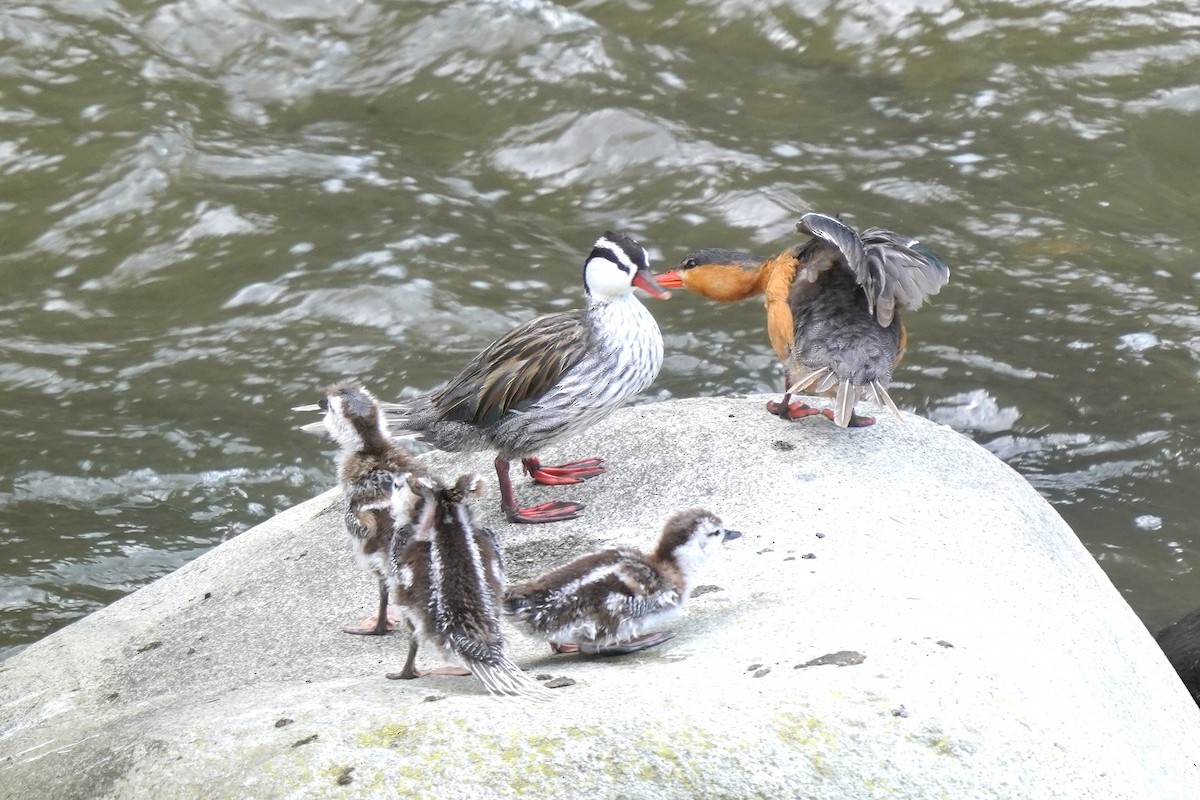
column 624, row 251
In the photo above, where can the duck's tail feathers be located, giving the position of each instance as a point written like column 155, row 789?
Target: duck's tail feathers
column 843, row 404
column 501, row 676
column 883, row 398
column 822, row 375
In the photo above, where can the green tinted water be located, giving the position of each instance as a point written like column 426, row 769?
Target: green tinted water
column 210, row 210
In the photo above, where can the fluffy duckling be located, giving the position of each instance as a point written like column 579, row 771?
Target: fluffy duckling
column 448, row 581
column 832, row 307
column 372, row 469
column 550, row 378
column 602, row 603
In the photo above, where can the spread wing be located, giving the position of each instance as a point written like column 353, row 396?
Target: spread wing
column 913, row 273
column 515, row 370
column 891, row 268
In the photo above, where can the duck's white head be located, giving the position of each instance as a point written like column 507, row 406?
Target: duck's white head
column 691, row 537
column 615, row 266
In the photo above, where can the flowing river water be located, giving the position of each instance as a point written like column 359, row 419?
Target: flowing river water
column 212, row 208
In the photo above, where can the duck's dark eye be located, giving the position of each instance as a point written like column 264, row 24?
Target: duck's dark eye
column 688, row 264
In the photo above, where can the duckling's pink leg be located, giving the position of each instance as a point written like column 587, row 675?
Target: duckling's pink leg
column 379, row 624
column 571, row 472
column 790, row 410
column 555, row 511
column 855, row 420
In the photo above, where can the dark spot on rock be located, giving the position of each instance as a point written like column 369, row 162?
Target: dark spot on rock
column 842, row 658
column 761, row 672
column 809, row 555
column 207, row 595
column 344, row 777
column 191, row 651
column 148, row 647
column 705, row 588
column 283, row 722
column 944, row 643
column 753, row 667
column 790, row 558
column 900, row 712
column 779, row 444
column 433, row 698
column 820, row 536
column 543, row 676
column 305, row 740
column 765, row 550
column 112, row 695
column 559, row 682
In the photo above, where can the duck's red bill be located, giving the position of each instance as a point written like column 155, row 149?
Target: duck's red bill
column 671, row 280
column 646, row 281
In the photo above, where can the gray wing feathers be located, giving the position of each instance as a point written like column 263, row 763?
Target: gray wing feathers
column 892, row 269
column 913, row 273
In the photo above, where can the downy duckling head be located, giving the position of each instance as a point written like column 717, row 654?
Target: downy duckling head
column 690, row 538
column 615, row 266
column 350, row 415
column 725, row 275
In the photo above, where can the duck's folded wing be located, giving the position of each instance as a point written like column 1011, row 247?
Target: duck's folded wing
column 515, row 370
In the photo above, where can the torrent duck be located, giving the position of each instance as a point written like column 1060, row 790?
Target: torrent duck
column 832, row 307
column 550, row 378
column 602, row 603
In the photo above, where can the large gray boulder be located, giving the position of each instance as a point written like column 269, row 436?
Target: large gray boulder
column 905, row 617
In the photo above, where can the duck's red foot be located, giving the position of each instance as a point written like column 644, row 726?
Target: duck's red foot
column 793, row 410
column 563, row 474
column 855, row 420
column 556, row 511
column 372, row 626
column 564, row 648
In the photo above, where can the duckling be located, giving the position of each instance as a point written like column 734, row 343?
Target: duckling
column 550, row 378
column 832, row 314
column 372, row 468
column 601, row 603
column 448, row 581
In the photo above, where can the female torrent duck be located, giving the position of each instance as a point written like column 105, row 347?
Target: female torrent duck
column 447, row 579
column 602, row 603
column 549, row 378
column 832, row 307
column 372, row 467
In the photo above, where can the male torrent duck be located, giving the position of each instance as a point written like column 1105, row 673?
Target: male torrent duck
column 832, row 307
column 371, row 467
column 549, row 378
column 602, row 602
column 448, row 582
